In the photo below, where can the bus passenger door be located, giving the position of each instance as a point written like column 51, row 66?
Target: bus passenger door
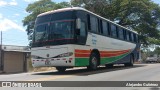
column 82, row 34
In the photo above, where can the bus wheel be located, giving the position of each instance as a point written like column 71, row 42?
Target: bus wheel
column 130, row 63
column 93, row 62
column 61, row 69
column 109, row 65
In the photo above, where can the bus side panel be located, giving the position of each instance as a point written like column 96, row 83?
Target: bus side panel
column 82, row 54
column 115, row 56
column 111, row 49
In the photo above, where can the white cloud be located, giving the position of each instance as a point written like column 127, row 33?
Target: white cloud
column 13, row 2
column 15, row 21
column 67, row 0
column 4, row 3
column 29, row 1
column 1, row 16
column 17, row 14
column 7, row 24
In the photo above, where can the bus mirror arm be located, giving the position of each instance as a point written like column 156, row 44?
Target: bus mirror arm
column 78, row 32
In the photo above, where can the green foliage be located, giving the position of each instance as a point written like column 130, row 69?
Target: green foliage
column 37, row 8
column 153, row 40
column 142, row 16
column 157, row 50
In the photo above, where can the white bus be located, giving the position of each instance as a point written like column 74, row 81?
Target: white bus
column 76, row 37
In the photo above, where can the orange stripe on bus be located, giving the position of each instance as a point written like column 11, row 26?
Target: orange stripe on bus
column 86, row 53
column 114, row 51
column 82, row 55
column 112, row 54
column 82, row 51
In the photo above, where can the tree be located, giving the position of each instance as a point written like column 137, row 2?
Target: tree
column 142, row 16
column 39, row 7
column 157, row 51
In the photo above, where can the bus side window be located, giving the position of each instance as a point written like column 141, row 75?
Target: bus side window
column 127, row 35
column 134, row 36
column 121, row 33
column 83, row 29
column 88, row 22
column 100, row 29
column 94, row 24
column 130, row 37
column 113, row 31
column 109, row 29
column 105, row 28
column 117, row 32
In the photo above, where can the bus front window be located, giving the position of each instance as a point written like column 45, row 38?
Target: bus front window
column 54, row 29
column 41, row 33
column 58, row 30
column 61, row 30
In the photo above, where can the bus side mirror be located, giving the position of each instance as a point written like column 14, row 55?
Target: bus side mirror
column 30, row 36
column 78, row 23
column 78, row 26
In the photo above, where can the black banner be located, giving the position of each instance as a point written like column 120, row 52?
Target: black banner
column 79, row 83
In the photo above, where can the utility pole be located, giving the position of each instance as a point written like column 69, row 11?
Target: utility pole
column 1, row 53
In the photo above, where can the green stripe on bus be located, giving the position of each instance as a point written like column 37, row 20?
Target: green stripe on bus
column 85, row 61
column 81, row 61
column 112, row 59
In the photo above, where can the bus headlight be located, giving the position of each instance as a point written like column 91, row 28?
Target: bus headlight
column 64, row 55
column 35, row 57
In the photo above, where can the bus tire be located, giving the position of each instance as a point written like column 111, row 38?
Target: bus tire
column 93, row 62
column 109, row 65
column 61, row 69
column 131, row 62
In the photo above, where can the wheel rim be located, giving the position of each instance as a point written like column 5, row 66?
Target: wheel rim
column 94, row 62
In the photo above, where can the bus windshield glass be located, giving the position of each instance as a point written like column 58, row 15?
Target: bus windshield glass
column 54, row 29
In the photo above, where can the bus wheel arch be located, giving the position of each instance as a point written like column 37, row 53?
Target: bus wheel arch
column 133, row 57
column 131, row 60
column 61, row 69
column 98, row 55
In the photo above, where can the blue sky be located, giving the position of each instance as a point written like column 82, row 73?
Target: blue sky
column 12, row 13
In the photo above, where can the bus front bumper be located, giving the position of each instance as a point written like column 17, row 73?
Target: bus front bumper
column 53, row 62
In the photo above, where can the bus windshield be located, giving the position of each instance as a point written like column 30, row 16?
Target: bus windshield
column 58, row 30
column 54, row 29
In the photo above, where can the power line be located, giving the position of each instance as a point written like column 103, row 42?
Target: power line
column 1, row 66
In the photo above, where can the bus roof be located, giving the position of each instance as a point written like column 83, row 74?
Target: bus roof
column 79, row 8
